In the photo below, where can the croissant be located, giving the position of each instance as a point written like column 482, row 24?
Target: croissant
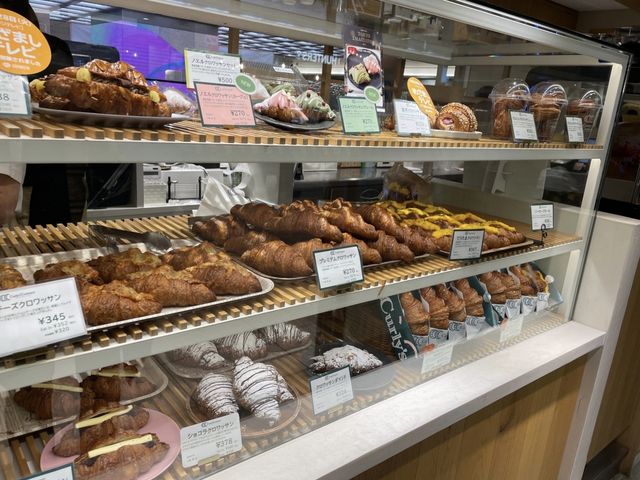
column 437, row 308
column 68, row 268
column 278, row 259
column 10, row 277
column 512, row 290
column 379, row 218
column 118, row 383
column 118, row 266
column 255, row 213
column 220, row 229
column 369, row 255
column 171, row 288
column 306, row 249
column 214, row 396
column 45, row 401
column 128, row 462
column 184, row 257
column 348, row 221
column 115, row 302
column 495, row 287
column 472, row 300
column 260, row 389
column 225, row 277
column 390, row 249
column 416, row 316
column 203, row 355
column 303, row 223
column 358, row 360
column 454, row 303
column 527, row 286
column 285, row 335
column 242, row 344
column 241, row 244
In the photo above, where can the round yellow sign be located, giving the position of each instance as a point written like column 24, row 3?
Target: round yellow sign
column 23, row 48
column 420, row 95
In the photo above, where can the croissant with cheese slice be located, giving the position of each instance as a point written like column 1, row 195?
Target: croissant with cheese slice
column 59, row 398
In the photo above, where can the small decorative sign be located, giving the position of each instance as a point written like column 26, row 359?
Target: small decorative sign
column 330, row 390
column 542, row 216
column 575, row 131
column 208, row 67
column 207, row 441
column 466, row 244
column 224, row 105
column 338, row 267
column 359, row 115
column 510, row 328
column 23, row 48
column 439, row 357
column 15, row 99
column 410, row 120
column 523, row 126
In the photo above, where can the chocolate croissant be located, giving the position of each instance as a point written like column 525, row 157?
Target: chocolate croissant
column 278, row 259
column 202, row 355
column 242, row 344
column 220, row 229
column 214, row 396
column 390, row 248
column 284, row 335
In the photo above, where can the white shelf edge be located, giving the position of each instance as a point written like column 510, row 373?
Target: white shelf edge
column 80, row 361
column 36, row 150
column 363, row 439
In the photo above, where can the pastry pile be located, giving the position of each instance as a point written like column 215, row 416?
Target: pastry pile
column 308, row 107
column 358, row 360
column 517, row 282
column 435, row 307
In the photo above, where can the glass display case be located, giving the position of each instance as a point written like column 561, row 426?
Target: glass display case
column 342, row 274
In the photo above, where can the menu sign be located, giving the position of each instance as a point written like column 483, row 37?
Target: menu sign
column 207, row 67
column 363, row 63
column 23, row 48
column 210, row 440
column 14, row 95
column 224, row 105
column 409, row 119
column 358, row 116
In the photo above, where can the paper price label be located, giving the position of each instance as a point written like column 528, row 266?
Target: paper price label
column 14, row 95
column 437, row 358
column 60, row 473
column 575, row 132
column 209, row 67
column 330, row 390
column 511, row 328
column 523, row 127
column 466, row 244
column 336, row 267
column 542, row 216
column 39, row 315
column 409, row 119
column 359, row 115
column 224, row 105
column 210, row 440
column 283, row 70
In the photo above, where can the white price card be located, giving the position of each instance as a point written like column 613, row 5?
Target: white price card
column 283, row 70
column 59, row 473
column 409, row 119
column 542, row 216
column 511, row 328
column 330, row 390
column 207, row 441
column 437, row 358
column 14, row 95
column 207, row 67
column 466, row 244
column 523, row 126
column 337, row 267
column 575, row 132
column 39, row 315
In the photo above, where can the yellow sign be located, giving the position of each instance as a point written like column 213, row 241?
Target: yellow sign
column 23, row 48
column 420, row 95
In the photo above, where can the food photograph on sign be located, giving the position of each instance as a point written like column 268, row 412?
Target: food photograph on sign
column 363, row 62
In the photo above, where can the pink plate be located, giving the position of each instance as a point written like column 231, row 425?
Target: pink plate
column 160, row 424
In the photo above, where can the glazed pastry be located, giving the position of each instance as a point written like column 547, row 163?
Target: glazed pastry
column 214, row 396
column 512, row 290
column 359, row 74
column 91, row 429
column 438, row 309
column 129, row 456
column 358, row 360
column 415, row 314
column 220, row 229
column 118, row 383
column 527, row 286
column 201, row 355
column 278, row 259
column 495, row 287
column 348, row 221
column 472, row 299
column 300, row 223
column 454, row 303
column 371, row 63
column 56, row 399
column 282, row 106
column 68, row 268
column 10, row 277
column 314, row 107
column 184, row 257
column 390, row 249
column 285, row 335
column 115, row 302
column 369, row 255
column 118, row 266
column 260, row 389
column 225, row 277
column 171, row 288
column 255, row 213
column 242, row 344
column 252, row 239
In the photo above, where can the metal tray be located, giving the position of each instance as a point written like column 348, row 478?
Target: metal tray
column 16, row 421
column 28, row 264
column 516, row 246
column 108, row 120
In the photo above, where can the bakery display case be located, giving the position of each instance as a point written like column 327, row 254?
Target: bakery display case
column 232, row 341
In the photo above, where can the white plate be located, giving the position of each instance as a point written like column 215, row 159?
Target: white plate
column 456, row 135
column 108, row 120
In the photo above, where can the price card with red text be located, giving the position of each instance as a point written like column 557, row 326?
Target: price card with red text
column 224, row 105
column 39, row 315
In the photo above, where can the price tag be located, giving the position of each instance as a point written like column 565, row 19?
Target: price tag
column 542, row 216
column 575, row 132
column 330, row 390
column 205, row 442
column 223, row 105
column 207, row 67
column 15, row 99
column 410, row 120
column 466, row 244
column 436, row 358
column 510, row 328
column 336, row 267
column 523, row 126
column 359, row 115
column 59, row 473
column 283, row 70
column 39, row 315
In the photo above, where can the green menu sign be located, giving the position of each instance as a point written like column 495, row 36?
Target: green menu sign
column 359, row 115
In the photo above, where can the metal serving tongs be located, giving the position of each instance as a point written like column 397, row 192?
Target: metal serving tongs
column 156, row 242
